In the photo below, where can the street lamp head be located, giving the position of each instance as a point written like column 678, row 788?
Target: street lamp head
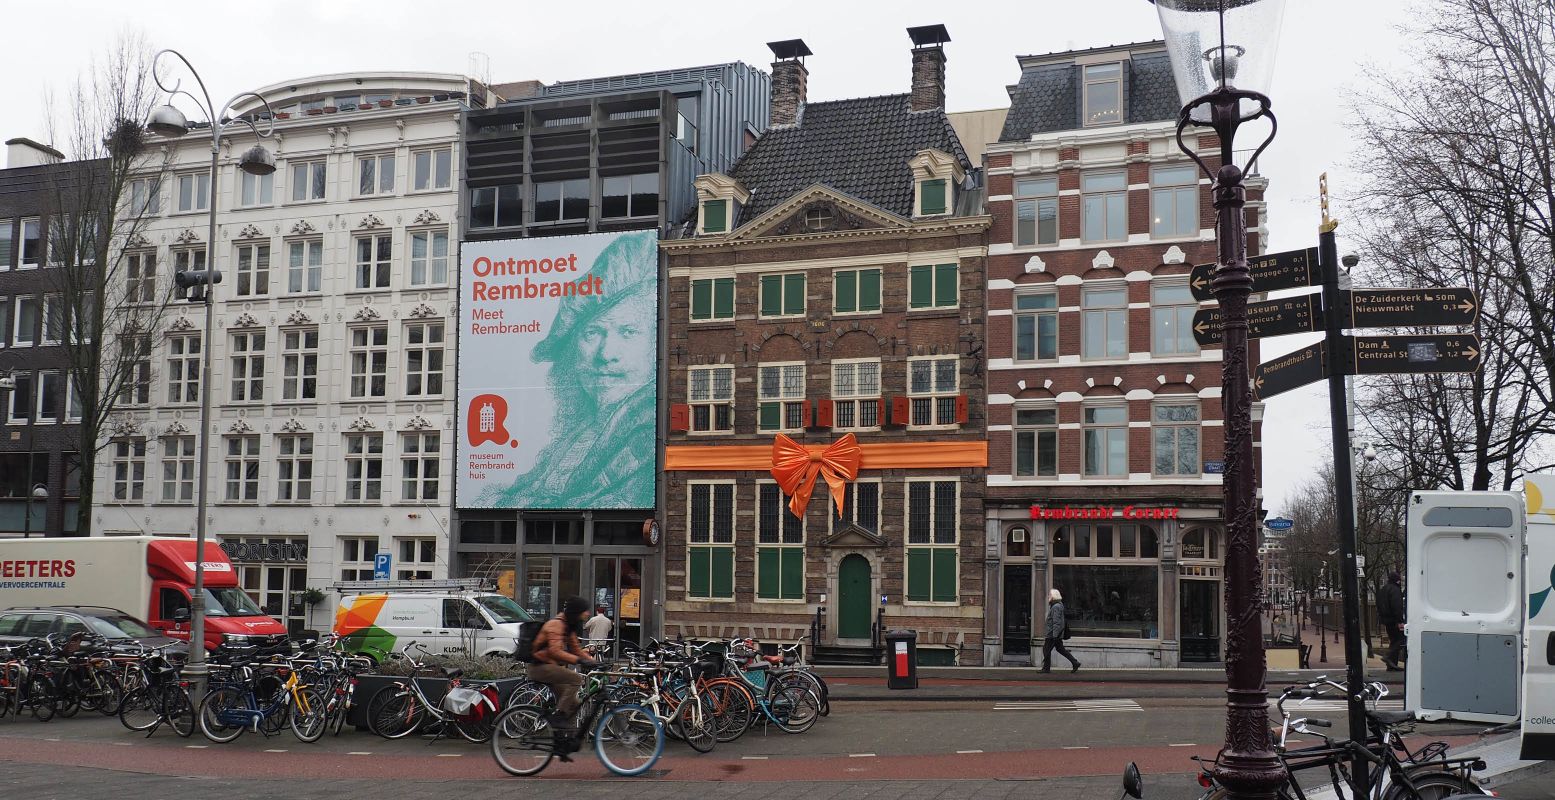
column 40, row 492
column 1370, row 453
column 166, row 120
column 257, row 161
column 1220, row 45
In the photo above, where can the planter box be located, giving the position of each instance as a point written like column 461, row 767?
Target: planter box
column 434, row 688
column 385, row 103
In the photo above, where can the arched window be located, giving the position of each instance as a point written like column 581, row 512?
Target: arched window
column 1017, row 542
column 1109, row 576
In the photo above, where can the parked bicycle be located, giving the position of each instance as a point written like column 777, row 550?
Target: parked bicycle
column 399, row 709
column 262, row 698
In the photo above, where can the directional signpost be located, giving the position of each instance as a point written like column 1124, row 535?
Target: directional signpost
column 1291, row 371
column 1293, row 269
column 1287, row 315
column 1399, row 308
column 1440, row 352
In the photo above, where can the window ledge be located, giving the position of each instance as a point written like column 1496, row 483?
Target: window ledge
column 715, row 323
column 780, row 317
column 707, row 433
column 857, row 314
column 310, row 202
column 952, row 312
column 764, row 601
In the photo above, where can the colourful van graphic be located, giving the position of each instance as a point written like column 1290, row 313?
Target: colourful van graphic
column 356, row 622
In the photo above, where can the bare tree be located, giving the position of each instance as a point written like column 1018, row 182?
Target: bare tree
column 104, row 294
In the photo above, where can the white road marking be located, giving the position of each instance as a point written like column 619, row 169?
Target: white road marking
column 275, row 751
column 450, row 755
column 753, row 758
column 122, row 744
column 196, row 746
column 1182, row 744
column 1068, row 706
column 1077, row 747
column 358, row 754
column 967, row 752
column 861, row 755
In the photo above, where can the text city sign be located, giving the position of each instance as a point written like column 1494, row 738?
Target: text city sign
column 1441, row 352
column 1102, row 512
column 1389, row 308
column 1292, row 269
column 1280, row 317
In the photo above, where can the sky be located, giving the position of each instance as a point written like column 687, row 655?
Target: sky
column 860, row 49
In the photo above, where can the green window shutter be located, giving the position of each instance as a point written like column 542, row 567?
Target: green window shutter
column 767, row 573
column 945, row 285
column 723, row 572
column 698, row 569
column 793, row 294
column 793, row 573
column 723, row 298
column 771, row 295
column 944, row 575
column 933, row 197
column 846, row 291
column 701, row 299
column 918, row 569
column 770, row 416
column 715, row 216
column 869, row 290
column 920, row 286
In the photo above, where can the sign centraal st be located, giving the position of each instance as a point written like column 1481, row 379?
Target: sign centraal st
column 1300, row 314
column 1292, row 269
column 1438, row 352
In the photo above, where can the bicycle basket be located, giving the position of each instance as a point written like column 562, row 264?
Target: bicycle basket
column 757, row 677
column 461, row 701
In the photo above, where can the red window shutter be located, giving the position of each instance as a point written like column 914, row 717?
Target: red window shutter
column 962, row 412
column 901, row 411
column 880, row 413
column 825, row 413
column 680, row 417
column 804, row 414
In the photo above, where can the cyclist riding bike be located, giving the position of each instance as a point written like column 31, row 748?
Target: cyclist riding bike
column 556, row 647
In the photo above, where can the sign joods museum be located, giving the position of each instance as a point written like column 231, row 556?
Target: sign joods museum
column 556, row 372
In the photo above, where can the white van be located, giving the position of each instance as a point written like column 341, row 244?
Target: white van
column 469, row 622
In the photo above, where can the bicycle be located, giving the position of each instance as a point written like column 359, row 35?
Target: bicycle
column 628, row 738
column 399, row 709
column 159, row 695
column 235, row 707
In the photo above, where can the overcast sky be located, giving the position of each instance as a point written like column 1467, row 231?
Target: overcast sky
column 239, row 46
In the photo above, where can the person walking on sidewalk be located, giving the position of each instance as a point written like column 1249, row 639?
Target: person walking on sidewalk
column 1390, row 610
column 1056, row 631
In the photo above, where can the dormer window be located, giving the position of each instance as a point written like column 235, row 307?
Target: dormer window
column 936, row 174
column 817, row 219
column 932, row 198
column 715, row 216
column 1103, row 94
column 719, row 199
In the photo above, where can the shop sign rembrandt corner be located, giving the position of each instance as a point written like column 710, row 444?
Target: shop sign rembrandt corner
column 1101, row 512
column 557, row 372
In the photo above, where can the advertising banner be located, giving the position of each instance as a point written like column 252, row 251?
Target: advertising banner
column 557, row 355
column 1539, row 634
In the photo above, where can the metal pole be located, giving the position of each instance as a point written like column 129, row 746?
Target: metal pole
column 36, row 386
column 1328, row 259
column 195, row 668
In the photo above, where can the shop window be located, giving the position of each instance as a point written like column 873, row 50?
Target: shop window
column 483, row 531
column 1200, row 544
column 1109, row 576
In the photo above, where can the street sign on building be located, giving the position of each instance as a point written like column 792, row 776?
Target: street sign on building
column 1400, row 354
column 1290, row 371
column 381, row 564
column 1280, row 524
column 1292, row 269
column 1287, row 315
column 1393, row 308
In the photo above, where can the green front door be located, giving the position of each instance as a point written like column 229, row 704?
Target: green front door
column 853, row 593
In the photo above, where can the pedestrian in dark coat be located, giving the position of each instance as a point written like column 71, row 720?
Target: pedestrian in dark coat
column 1054, row 632
column 1390, row 610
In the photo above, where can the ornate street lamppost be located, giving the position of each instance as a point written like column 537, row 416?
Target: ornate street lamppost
column 167, row 121
column 1222, row 54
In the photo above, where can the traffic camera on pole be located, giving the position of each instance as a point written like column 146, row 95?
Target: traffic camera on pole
column 194, row 285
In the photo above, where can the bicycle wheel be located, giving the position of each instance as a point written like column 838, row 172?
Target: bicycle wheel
column 178, row 709
column 38, row 693
column 628, row 739
column 102, row 694
column 522, row 741
column 794, row 709
column 531, row 694
column 140, row 710
column 477, row 725
column 1433, row 786
column 733, row 708
column 309, row 715
column 697, row 721
column 217, row 710
column 394, row 713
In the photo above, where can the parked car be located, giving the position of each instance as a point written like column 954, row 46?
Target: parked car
column 17, row 625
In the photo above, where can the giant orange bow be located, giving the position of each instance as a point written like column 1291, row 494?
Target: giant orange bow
column 795, row 467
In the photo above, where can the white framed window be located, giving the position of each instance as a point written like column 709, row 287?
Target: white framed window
column 140, row 277
column 256, row 190
column 305, row 266
column 145, row 196
column 1104, row 322
column 308, row 181
column 818, row 219
column 7, row 244
column 429, row 257
column 242, row 464
column 1036, row 326
column 32, row 244
column 73, row 405
column 1036, row 211
column 783, row 295
column 562, row 201
column 178, row 469
column 25, row 333
column 192, row 192
column 1103, row 94
column 51, row 389
column 860, row 506
column 710, row 392
column 55, row 317
column 855, row 394
column 247, row 360
column 375, row 175
column 781, row 397
column 300, row 364
column 19, row 409
column 183, row 368
column 1174, row 201
column 253, row 270
column 423, row 348
column 135, row 389
column 933, row 541
column 431, row 169
column 373, row 261
column 932, row 389
column 364, row 467
column 188, row 258
column 1105, row 433
column 629, row 195
column 294, row 468
column 417, row 558
column 1036, row 442
column 370, row 361
column 357, row 556
column 129, row 470
column 1174, row 433
column 710, row 540
column 1171, row 319
column 1104, row 206
column 420, row 455
column 780, row 550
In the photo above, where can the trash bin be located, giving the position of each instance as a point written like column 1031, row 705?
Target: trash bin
column 901, row 659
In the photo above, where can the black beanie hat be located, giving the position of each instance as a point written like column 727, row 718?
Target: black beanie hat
column 574, row 605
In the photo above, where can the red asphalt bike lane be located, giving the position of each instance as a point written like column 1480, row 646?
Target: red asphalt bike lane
column 218, row 761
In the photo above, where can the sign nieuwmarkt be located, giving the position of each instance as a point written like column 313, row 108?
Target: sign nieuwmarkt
column 1102, row 512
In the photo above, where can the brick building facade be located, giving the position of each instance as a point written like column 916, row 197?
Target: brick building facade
column 833, row 290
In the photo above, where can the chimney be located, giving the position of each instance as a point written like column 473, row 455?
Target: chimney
column 789, row 78
column 23, row 152
column 928, row 66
